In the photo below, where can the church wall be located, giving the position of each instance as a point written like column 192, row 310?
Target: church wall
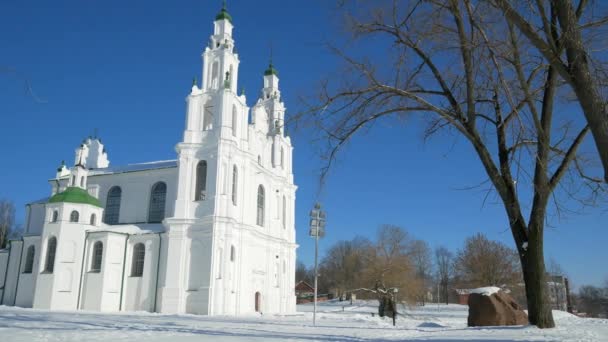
column 101, row 290
column 139, row 292
column 34, row 220
column 3, row 267
column 27, row 281
column 12, row 274
column 136, row 188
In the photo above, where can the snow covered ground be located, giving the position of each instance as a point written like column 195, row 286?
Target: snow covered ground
column 355, row 323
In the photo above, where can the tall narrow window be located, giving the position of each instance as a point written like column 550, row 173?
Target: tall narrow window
column 29, row 259
column 158, row 196
column 235, row 183
column 207, row 117
column 234, row 121
column 82, row 182
column 74, row 216
column 232, row 253
column 73, row 180
column 55, row 216
column 51, row 249
column 215, row 75
column 282, row 158
column 261, row 205
column 112, row 211
column 284, row 213
column 97, row 257
column 137, row 264
column 93, row 219
column 201, row 181
column 219, row 263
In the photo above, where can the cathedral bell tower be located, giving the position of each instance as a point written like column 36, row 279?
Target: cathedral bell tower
column 216, row 115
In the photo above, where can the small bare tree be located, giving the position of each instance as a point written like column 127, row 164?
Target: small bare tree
column 420, row 256
column 7, row 221
column 387, row 267
column 483, row 262
column 465, row 68
column 444, row 262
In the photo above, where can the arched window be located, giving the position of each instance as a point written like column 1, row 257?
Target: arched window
column 74, row 216
column 73, row 180
column 215, row 74
column 112, row 211
column 207, row 117
column 284, row 213
column 29, row 259
column 232, row 253
column 234, row 121
column 97, row 257
column 158, row 196
column 201, row 181
column 51, row 249
column 273, row 158
column 93, row 220
column 82, row 182
column 261, row 205
column 137, row 264
column 259, row 159
column 282, row 158
column 235, row 183
column 55, row 216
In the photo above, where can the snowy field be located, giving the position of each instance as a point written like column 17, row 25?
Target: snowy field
column 355, row 323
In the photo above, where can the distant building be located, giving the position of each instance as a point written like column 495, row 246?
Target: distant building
column 558, row 292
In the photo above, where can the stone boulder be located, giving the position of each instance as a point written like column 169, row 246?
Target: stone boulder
column 491, row 309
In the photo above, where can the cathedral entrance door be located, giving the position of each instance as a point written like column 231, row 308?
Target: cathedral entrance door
column 258, row 301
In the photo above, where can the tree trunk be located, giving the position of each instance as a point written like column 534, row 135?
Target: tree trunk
column 533, row 266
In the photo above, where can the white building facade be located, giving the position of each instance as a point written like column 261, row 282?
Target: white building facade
column 210, row 233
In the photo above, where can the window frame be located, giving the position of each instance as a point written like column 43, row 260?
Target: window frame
column 156, row 211
column 51, row 253
column 138, row 260
column 96, row 257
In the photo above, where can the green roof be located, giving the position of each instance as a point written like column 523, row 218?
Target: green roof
column 271, row 71
column 223, row 15
column 75, row 195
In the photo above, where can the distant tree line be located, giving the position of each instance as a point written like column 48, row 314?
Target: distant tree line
column 397, row 260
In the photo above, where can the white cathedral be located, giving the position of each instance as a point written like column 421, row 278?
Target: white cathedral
column 210, row 233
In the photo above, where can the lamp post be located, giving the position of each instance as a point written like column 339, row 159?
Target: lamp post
column 395, row 291
column 317, row 230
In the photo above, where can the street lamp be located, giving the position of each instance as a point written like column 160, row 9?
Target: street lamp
column 395, row 291
column 317, row 230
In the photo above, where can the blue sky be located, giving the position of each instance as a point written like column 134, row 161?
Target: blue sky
column 125, row 67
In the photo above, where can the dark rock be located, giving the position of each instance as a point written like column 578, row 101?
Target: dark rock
column 496, row 309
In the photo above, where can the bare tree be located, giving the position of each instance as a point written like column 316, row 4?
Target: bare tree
column 342, row 265
column 567, row 36
column 483, row 262
column 466, row 69
column 387, row 267
column 7, row 221
column 303, row 273
column 444, row 261
column 420, row 256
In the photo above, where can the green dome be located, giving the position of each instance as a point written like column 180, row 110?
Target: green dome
column 271, row 71
column 223, row 15
column 75, row 195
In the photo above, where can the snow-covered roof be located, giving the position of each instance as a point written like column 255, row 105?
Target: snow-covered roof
column 131, row 229
column 161, row 164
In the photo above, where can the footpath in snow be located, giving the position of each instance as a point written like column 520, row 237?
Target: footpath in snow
column 336, row 321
